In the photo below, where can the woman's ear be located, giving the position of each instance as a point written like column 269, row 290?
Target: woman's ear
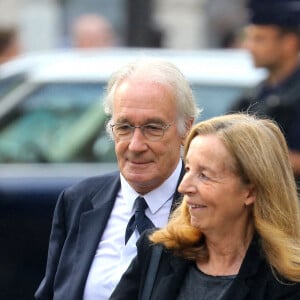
column 250, row 195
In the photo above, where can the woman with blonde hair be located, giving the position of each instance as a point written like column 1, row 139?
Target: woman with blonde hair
column 236, row 234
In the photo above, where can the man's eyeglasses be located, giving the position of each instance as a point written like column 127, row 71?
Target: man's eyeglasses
column 152, row 131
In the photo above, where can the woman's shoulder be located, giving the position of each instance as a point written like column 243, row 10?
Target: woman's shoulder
column 284, row 289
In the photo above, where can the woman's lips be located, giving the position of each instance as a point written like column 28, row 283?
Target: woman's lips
column 193, row 206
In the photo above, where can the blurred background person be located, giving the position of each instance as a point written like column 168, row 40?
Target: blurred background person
column 236, row 234
column 149, row 23
column 9, row 44
column 225, row 19
column 92, row 31
column 273, row 39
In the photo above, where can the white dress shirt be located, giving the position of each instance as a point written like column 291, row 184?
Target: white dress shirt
column 112, row 256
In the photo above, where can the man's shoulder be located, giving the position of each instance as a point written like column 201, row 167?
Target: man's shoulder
column 291, row 90
column 87, row 188
column 248, row 98
column 97, row 181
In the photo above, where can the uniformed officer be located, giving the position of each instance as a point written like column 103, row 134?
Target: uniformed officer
column 273, row 39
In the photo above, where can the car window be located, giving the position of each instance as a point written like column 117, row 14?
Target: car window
column 65, row 122
column 215, row 100
column 9, row 83
column 57, row 122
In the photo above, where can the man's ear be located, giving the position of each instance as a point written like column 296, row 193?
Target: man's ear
column 188, row 126
column 291, row 43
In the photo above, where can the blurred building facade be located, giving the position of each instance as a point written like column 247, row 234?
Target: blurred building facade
column 185, row 24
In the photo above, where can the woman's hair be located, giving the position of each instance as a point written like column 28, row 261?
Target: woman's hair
column 261, row 158
column 161, row 72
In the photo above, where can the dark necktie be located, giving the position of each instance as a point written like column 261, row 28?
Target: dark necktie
column 139, row 219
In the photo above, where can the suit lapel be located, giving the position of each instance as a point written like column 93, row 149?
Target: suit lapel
column 169, row 282
column 252, row 261
column 157, row 251
column 91, row 227
column 177, row 196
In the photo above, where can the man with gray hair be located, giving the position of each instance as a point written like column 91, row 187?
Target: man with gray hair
column 97, row 222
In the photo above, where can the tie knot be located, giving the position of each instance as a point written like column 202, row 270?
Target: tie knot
column 139, row 220
column 141, row 204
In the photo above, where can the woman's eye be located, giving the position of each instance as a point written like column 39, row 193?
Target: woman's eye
column 203, row 176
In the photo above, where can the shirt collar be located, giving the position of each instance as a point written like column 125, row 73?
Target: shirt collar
column 157, row 197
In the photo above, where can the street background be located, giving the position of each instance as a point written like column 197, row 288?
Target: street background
column 183, row 24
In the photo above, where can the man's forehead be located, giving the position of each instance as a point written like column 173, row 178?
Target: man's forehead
column 263, row 30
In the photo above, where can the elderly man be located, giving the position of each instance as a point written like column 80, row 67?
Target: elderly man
column 98, row 221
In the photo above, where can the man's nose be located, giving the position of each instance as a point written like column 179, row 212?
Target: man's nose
column 138, row 140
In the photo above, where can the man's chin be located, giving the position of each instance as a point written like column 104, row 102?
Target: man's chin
column 138, row 168
column 140, row 178
column 143, row 185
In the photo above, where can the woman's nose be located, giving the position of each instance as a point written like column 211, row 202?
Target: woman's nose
column 186, row 185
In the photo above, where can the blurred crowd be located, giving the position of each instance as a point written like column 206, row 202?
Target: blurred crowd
column 87, row 31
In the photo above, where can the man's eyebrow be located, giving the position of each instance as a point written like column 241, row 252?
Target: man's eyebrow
column 155, row 120
column 147, row 121
column 122, row 120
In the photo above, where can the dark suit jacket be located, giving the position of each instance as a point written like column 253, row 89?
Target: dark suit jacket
column 79, row 220
column 255, row 280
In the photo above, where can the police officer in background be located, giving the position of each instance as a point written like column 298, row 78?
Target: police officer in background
column 273, row 39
